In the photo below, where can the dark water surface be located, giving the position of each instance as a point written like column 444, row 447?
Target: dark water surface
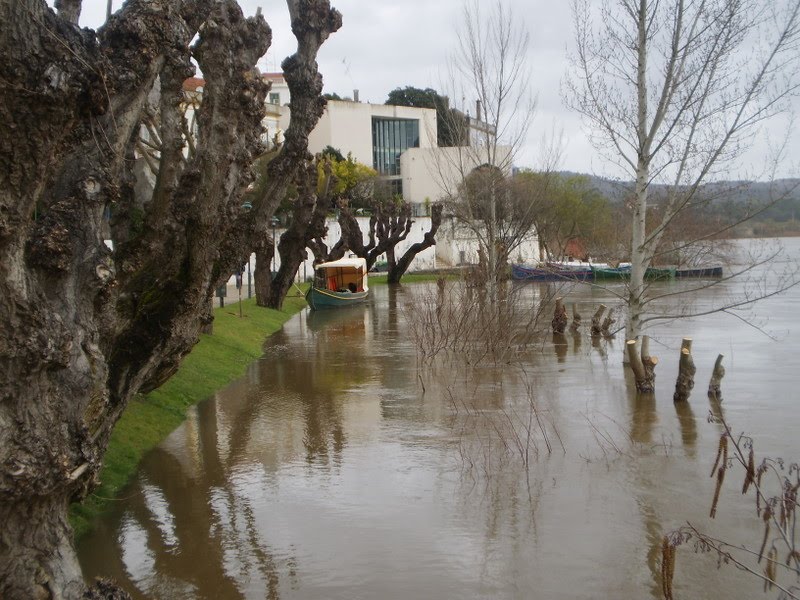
column 328, row 472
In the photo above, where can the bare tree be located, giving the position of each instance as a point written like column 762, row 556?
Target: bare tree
column 390, row 224
column 673, row 93
column 489, row 66
column 82, row 327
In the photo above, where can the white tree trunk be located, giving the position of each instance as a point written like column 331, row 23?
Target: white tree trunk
column 639, row 258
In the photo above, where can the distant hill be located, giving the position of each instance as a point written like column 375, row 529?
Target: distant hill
column 721, row 191
column 775, row 205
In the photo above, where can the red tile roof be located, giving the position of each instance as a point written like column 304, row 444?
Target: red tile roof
column 191, row 84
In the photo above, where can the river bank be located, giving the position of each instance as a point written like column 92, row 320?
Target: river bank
column 214, row 362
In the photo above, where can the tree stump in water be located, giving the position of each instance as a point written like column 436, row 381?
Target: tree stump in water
column 597, row 324
column 576, row 319
column 607, row 323
column 714, row 391
column 643, row 365
column 559, row 322
column 686, row 371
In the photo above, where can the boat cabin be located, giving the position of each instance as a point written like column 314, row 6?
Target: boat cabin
column 343, row 275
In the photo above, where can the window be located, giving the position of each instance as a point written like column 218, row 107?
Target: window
column 274, row 98
column 390, row 138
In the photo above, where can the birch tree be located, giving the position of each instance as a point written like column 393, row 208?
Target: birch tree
column 674, row 92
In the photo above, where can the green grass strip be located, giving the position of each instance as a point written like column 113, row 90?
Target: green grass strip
column 412, row 277
column 214, row 362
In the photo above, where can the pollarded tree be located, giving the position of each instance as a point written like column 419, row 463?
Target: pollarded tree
column 674, row 92
column 389, row 224
column 82, row 327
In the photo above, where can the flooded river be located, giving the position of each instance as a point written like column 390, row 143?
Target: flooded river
column 342, row 467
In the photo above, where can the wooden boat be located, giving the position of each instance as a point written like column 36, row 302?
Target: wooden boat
column 652, row 273
column 606, row 273
column 338, row 283
column 526, row 273
column 701, row 272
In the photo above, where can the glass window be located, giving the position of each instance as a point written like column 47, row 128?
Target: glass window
column 390, row 138
column 274, row 98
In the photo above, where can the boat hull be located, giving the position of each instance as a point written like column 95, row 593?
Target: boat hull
column 321, row 299
column 523, row 273
column 652, row 273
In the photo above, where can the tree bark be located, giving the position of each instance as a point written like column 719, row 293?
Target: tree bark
column 686, row 371
column 714, row 385
column 597, row 324
column 307, row 223
column 84, row 328
column 559, row 322
column 262, row 274
column 642, row 364
column 399, row 268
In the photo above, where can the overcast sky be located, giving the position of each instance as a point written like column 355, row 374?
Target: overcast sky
column 384, row 44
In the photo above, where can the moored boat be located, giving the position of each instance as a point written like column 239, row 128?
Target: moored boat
column 338, row 283
column 526, row 273
column 652, row 273
column 604, row 273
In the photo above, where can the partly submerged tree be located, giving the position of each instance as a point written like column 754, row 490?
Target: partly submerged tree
column 674, row 92
column 489, row 201
column 83, row 327
column 489, row 65
column 390, row 223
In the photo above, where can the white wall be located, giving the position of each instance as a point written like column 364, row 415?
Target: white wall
column 347, row 126
column 423, row 260
column 432, row 173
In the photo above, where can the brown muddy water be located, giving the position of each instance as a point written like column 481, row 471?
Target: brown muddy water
column 340, row 468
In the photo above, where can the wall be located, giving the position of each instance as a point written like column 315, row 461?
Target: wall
column 432, row 173
column 347, row 126
column 423, row 260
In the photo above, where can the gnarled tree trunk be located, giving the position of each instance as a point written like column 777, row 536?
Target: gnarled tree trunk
column 307, row 223
column 398, row 268
column 84, row 328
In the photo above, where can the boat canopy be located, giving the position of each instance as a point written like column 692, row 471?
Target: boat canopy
column 342, row 275
column 345, row 263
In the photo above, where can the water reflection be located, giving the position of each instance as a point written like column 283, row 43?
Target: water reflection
column 560, row 346
column 340, row 468
column 688, row 425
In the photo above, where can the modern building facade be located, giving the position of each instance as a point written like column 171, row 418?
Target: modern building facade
column 375, row 134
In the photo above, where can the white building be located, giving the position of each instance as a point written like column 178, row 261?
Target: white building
column 400, row 143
